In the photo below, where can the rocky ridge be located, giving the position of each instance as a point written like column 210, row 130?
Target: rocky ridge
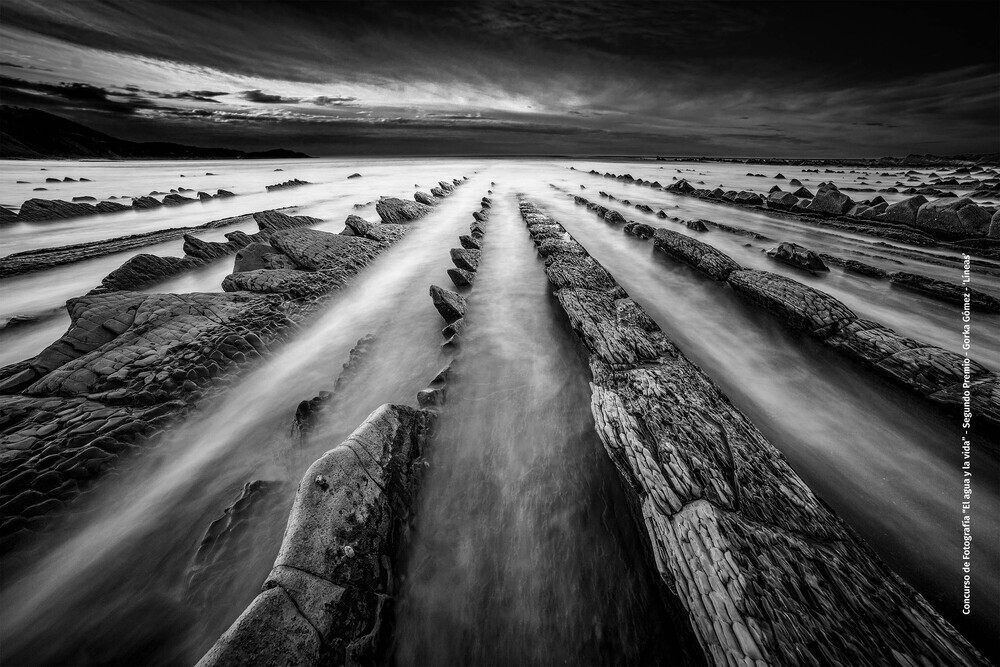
column 131, row 362
column 764, row 571
column 930, row 371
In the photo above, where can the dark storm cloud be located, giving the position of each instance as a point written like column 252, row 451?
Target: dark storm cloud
column 686, row 76
column 266, row 98
column 77, row 95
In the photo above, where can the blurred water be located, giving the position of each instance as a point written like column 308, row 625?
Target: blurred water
column 523, row 552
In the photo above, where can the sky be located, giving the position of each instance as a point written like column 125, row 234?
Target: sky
column 736, row 78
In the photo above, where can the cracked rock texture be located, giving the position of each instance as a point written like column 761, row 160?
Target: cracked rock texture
column 764, row 571
column 328, row 597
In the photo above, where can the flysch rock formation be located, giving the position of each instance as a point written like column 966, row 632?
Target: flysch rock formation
column 328, row 597
column 144, row 270
column 46, row 258
column 930, row 371
column 800, row 257
column 765, row 572
column 131, row 362
column 44, row 210
column 950, row 223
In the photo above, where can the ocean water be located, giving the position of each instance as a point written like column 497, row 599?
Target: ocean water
column 523, row 551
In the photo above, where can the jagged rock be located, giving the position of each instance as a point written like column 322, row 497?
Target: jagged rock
column 209, row 250
column 143, row 270
column 831, row 201
column 454, row 328
column 873, row 212
column 424, row 198
column 438, row 192
column 450, row 304
column 803, row 193
column 176, row 200
column 272, row 221
column 801, row 307
column 293, row 283
column 948, row 292
column 109, row 207
column 145, row 202
column 614, row 217
column 700, row 255
column 643, row 231
column 287, row 184
column 261, row 256
column 795, row 255
column 393, row 210
column 355, row 175
column 953, row 217
column 358, row 225
column 781, row 200
column 41, row 210
column 479, row 216
column 469, row 243
column 994, row 231
column 466, row 259
column 315, row 250
column 855, row 266
column 696, row 225
column 204, row 196
column 461, row 277
column 326, row 593
column 795, row 183
column 903, row 212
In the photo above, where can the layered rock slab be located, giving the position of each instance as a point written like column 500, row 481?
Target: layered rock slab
column 765, row 572
column 326, row 600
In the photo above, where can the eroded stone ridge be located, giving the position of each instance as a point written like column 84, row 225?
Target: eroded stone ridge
column 765, row 572
column 329, row 594
column 691, row 251
column 945, row 221
column 151, row 357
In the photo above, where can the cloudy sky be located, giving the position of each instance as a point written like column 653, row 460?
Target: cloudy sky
column 672, row 78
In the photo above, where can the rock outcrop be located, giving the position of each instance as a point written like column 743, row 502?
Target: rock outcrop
column 691, row 251
column 795, row 255
column 328, row 597
column 764, row 572
column 830, row 201
column 396, row 211
column 954, row 217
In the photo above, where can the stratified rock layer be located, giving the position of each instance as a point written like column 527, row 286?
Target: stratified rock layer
column 328, row 596
column 765, row 572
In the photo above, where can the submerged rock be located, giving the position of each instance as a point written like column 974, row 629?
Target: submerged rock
column 326, row 595
column 795, row 255
column 944, row 291
column 700, row 255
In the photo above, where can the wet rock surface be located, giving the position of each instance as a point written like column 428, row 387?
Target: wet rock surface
column 700, row 255
column 764, row 571
column 795, row 255
column 328, row 598
column 136, row 361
